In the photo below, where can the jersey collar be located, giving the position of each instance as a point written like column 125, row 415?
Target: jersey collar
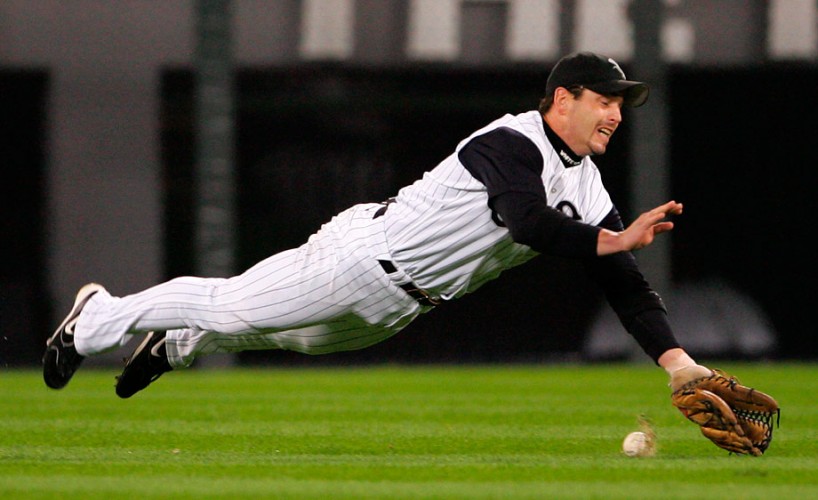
column 567, row 157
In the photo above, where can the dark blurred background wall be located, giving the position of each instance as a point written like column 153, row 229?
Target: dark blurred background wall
column 98, row 143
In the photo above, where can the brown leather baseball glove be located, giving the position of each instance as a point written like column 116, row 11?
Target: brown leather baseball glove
column 735, row 417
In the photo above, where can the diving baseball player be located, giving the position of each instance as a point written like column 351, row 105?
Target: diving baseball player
column 522, row 185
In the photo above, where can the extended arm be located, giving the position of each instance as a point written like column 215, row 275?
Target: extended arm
column 510, row 166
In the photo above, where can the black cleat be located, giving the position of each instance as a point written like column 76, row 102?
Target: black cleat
column 147, row 363
column 61, row 359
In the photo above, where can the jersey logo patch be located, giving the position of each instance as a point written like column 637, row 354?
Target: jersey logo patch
column 497, row 219
column 568, row 209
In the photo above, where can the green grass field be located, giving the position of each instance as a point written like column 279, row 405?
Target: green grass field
column 550, row 431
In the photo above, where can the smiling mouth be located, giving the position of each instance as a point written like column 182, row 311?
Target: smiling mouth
column 606, row 132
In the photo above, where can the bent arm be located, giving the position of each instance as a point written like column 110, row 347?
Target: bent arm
column 532, row 222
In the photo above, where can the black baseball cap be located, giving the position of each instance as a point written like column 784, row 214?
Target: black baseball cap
column 598, row 73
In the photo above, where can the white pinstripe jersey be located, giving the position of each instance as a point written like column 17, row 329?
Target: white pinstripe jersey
column 441, row 231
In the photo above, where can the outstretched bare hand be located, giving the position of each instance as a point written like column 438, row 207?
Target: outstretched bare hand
column 641, row 232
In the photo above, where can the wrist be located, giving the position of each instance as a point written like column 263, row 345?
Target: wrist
column 675, row 359
column 608, row 242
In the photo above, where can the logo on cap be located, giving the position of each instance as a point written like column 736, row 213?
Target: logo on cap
column 617, row 68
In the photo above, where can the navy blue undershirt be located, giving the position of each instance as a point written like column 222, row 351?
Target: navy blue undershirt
column 510, row 166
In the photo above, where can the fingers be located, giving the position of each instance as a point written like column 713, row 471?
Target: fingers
column 653, row 217
column 642, row 231
column 670, row 207
column 662, row 227
column 653, row 220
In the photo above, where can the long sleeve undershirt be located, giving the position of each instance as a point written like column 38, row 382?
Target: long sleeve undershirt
column 510, row 166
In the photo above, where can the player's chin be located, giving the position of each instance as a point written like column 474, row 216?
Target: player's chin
column 599, row 148
column 599, row 144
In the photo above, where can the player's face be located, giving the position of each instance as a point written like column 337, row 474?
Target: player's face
column 592, row 120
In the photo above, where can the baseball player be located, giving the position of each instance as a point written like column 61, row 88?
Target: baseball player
column 522, row 185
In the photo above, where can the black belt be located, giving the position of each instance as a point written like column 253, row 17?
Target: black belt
column 383, row 209
column 421, row 296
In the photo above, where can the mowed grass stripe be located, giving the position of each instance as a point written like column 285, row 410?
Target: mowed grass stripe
column 389, row 432
column 172, row 486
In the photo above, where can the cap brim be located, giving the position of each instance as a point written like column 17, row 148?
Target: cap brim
column 634, row 93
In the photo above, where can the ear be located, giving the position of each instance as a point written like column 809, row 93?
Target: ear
column 562, row 98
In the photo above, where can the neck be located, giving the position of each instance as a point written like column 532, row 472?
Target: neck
column 566, row 154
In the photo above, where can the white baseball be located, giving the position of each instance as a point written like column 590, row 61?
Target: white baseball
column 636, row 444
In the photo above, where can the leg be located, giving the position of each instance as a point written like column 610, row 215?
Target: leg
column 346, row 333
column 328, row 295
column 329, row 279
column 159, row 353
column 279, row 293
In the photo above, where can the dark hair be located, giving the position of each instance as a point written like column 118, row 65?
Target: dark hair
column 548, row 100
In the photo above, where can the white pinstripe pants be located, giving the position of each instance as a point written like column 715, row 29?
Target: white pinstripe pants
column 325, row 296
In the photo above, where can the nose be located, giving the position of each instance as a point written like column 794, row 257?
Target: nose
column 615, row 115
